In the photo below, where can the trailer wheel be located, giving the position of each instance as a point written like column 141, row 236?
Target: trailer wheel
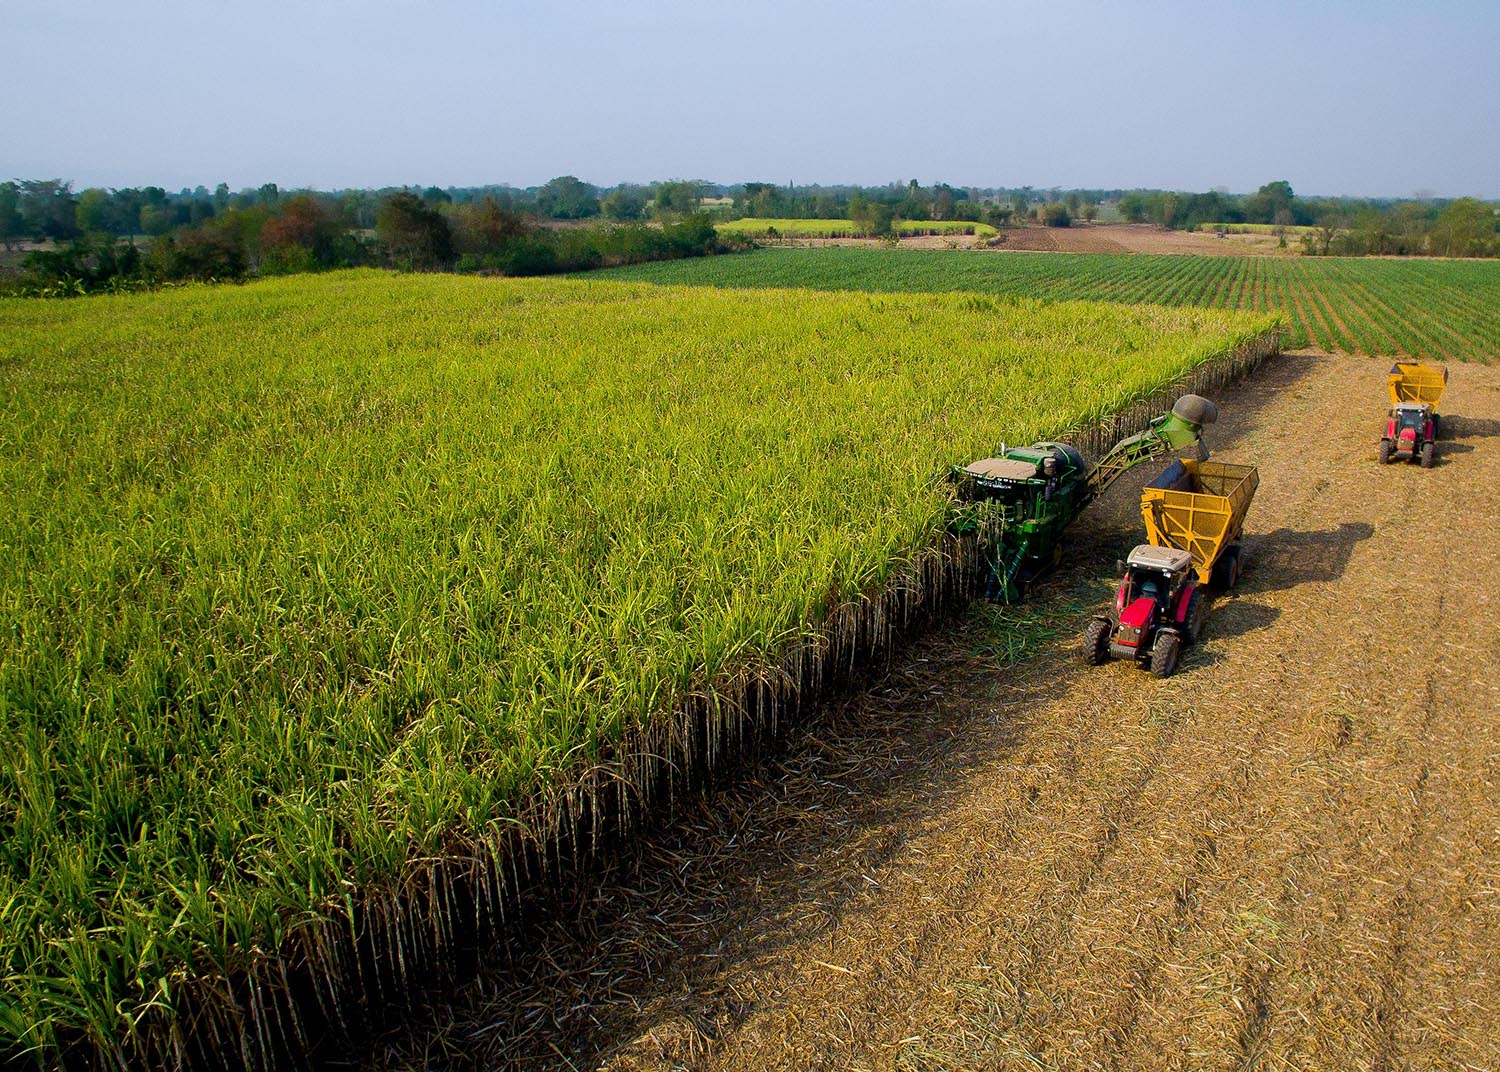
column 1195, row 615
column 1164, row 653
column 1427, row 453
column 1225, row 573
column 1384, row 453
column 1096, row 641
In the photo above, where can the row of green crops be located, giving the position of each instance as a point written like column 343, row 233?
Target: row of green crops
column 308, row 581
column 1446, row 310
column 1257, row 228
column 758, row 227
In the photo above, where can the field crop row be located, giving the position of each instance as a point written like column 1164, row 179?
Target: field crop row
column 757, row 227
column 312, row 582
column 1440, row 309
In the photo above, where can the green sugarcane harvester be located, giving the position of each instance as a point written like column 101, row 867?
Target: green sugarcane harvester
column 1023, row 499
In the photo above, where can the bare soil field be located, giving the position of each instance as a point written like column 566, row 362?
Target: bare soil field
column 1086, row 238
column 1286, row 856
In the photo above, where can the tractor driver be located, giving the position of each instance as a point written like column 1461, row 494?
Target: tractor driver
column 1049, row 470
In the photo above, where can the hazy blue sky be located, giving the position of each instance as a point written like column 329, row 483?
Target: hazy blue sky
column 1377, row 97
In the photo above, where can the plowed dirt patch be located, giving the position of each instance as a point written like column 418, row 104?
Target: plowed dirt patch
column 1286, row 856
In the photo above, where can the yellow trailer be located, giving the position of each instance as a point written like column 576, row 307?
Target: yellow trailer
column 1410, row 381
column 1200, row 507
column 1412, row 426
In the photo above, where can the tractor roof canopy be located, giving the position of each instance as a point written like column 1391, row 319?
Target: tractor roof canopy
column 1166, row 559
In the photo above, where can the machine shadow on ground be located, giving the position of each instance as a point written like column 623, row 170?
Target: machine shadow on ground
column 1457, row 426
column 1287, row 558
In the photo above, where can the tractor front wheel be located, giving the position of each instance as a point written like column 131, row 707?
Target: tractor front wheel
column 1428, row 450
column 1195, row 615
column 1384, row 453
column 1164, row 653
column 1096, row 641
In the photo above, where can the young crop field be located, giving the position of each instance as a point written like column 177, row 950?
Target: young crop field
column 1257, row 228
column 757, row 227
column 1440, row 309
column 312, row 584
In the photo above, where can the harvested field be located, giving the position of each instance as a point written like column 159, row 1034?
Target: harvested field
column 1287, row 856
column 1081, row 239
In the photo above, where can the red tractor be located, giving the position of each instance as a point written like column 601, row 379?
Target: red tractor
column 1411, row 429
column 1158, row 611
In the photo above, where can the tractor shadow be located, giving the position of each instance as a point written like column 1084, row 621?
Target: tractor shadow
column 1459, row 427
column 1446, row 451
column 1235, row 617
column 1287, row 558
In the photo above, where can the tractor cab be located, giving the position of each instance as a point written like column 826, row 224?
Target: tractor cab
column 1154, row 574
column 1410, row 431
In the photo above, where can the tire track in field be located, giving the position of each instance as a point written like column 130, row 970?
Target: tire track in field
column 1231, row 776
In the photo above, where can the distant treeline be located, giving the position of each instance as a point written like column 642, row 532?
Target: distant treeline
column 1338, row 226
column 133, row 238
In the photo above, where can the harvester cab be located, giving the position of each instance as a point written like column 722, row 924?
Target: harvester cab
column 1025, row 497
column 1411, row 427
column 1158, row 610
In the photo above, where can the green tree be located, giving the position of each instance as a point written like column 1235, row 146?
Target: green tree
column 155, row 219
column 92, row 211
column 302, row 236
column 485, row 227
column 48, row 209
column 12, row 226
column 1464, row 228
column 942, row 203
column 870, row 218
column 680, row 197
column 760, row 199
column 567, row 198
column 415, row 233
column 623, row 203
column 1055, row 214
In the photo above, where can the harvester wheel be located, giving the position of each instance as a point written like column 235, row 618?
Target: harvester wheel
column 1384, row 454
column 1096, row 641
column 1164, row 653
column 1428, row 450
column 1195, row 615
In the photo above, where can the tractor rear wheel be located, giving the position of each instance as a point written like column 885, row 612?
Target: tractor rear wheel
column 1164, row 653
column 1096, row 641
column 1428, row 449
column 1384, row 453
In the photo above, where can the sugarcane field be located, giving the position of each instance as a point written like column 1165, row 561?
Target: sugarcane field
column 458, row 616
